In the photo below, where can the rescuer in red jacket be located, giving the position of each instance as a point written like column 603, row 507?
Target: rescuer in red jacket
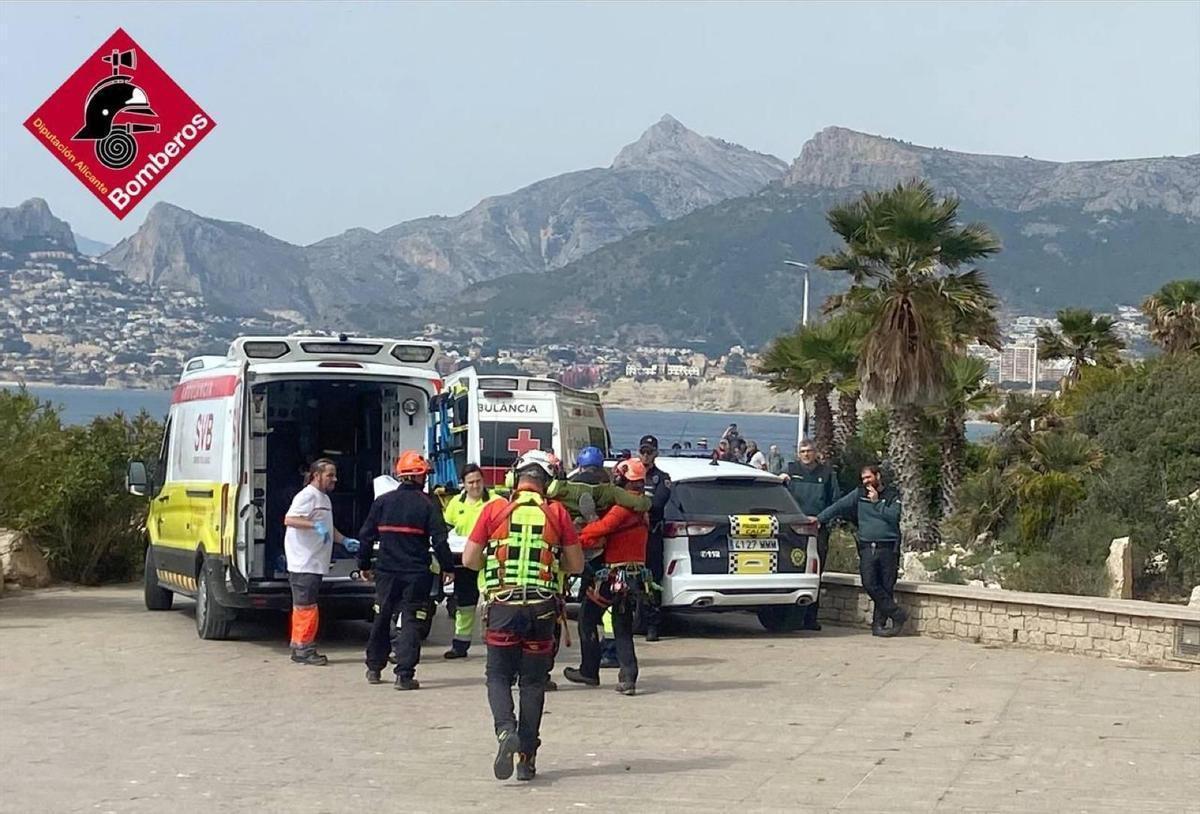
column 619, row 582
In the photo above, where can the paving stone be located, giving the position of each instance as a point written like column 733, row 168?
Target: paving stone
column 107, row 707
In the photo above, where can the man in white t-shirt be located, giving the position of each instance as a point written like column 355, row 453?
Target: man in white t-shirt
column 308, row 543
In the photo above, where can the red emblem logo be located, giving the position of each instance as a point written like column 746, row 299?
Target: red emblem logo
column 120, row 124
column 524, row 442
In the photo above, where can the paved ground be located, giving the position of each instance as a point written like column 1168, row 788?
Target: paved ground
column 107, row 707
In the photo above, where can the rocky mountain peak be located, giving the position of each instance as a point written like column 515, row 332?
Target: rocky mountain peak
column 237, row 268
column 839, row 158
column 163, row 213
column 668, row 134
column 33, row 223
column 669, row 141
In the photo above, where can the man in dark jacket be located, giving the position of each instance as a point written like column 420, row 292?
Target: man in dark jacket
column 657, row 487
column 875, row 509
column 406, row 523
column 815, row 487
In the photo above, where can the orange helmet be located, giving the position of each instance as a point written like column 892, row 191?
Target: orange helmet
column 410, row 463
column 631, row 469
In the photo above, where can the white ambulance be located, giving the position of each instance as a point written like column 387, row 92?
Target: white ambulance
column 491, row 420
column 241, row 431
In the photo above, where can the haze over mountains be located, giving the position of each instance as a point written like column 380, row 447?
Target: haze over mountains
column 669, row 172
column 682, row 238
column 1093, row 234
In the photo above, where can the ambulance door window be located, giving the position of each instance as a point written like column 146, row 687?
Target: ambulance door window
column 159, row 476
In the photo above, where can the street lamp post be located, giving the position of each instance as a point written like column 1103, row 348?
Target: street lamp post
column 802, row 418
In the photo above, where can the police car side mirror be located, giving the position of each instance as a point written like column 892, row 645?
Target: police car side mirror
column 137, row 481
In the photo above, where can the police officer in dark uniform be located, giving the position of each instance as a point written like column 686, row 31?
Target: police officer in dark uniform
column 815, row 487
column 406, row 523
column 658, row 489
column 876, row 510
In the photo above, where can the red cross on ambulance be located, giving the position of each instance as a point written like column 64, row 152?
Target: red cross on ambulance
column 524, row 442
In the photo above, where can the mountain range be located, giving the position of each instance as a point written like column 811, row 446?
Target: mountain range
column 668, row 172
column 1093, row 234
column 682, row 238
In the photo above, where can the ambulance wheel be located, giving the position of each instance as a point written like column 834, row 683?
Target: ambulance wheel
column 157, row 597
column 212, row 620
column 781, row 618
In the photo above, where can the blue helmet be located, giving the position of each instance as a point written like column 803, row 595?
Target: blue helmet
column 590, row 456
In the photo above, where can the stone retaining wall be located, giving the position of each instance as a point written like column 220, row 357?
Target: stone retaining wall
column 1146, row 632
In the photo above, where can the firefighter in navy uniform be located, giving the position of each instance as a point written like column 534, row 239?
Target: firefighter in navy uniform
column 814, row 485
column 658, row 488
column 406, row 523
column 523, row 546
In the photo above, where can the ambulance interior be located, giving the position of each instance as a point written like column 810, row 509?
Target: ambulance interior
column 361, row 425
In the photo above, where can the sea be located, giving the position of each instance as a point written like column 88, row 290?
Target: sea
column 81, row 404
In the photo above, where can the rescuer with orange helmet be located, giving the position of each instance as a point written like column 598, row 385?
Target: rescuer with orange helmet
column 406, row 524
column 619, row 583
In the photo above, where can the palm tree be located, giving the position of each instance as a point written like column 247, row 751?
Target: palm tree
column 846, row 424
column 967, row 390
column 813, row 358
column 1082, row 337
column 903, row 247
column 1019, row 417
column 1174, row 313
column 1050, row 483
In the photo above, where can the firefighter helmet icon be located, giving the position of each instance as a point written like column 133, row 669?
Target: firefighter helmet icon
column 116, row 145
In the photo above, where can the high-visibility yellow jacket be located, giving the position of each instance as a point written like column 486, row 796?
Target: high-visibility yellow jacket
column 461, row 514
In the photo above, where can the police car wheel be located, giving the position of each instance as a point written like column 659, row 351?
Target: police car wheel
column 781, row 618
column 212, row 620
column 157, row 598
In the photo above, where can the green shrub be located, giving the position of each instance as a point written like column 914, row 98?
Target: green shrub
column 1047, row 572
column 67, row 493
column 1182, row 549
column 843, row 552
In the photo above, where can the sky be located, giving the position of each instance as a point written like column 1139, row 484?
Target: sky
column 333, row 116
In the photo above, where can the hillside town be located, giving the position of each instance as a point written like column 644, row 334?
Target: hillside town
column 66, row 318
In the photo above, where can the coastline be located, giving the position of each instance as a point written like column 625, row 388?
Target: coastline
column 27, row 383
column 610, row 405
column 655, row 407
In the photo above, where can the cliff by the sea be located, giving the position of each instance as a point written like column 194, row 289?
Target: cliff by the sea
column 724, row 394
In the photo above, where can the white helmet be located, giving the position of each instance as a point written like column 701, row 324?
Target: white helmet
column 542, row 460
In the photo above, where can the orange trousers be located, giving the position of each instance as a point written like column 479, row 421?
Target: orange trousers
column 304, row 625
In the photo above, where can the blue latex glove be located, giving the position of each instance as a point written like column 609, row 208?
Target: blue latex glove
column 320, row 528
column 351, row 545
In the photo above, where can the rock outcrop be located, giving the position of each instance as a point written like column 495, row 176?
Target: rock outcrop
column 837, row 158
column 723, row 394
column 33, row 226
column 21, row 562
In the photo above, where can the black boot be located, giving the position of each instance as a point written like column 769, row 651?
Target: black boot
column 652, row 633
column 458, row 650
column 502, row 766
column 575, row 675
column 407, row 683
column 877, row 622
column 526, row 766
column 898, row 620
column 374, row 676
column 309, row 655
